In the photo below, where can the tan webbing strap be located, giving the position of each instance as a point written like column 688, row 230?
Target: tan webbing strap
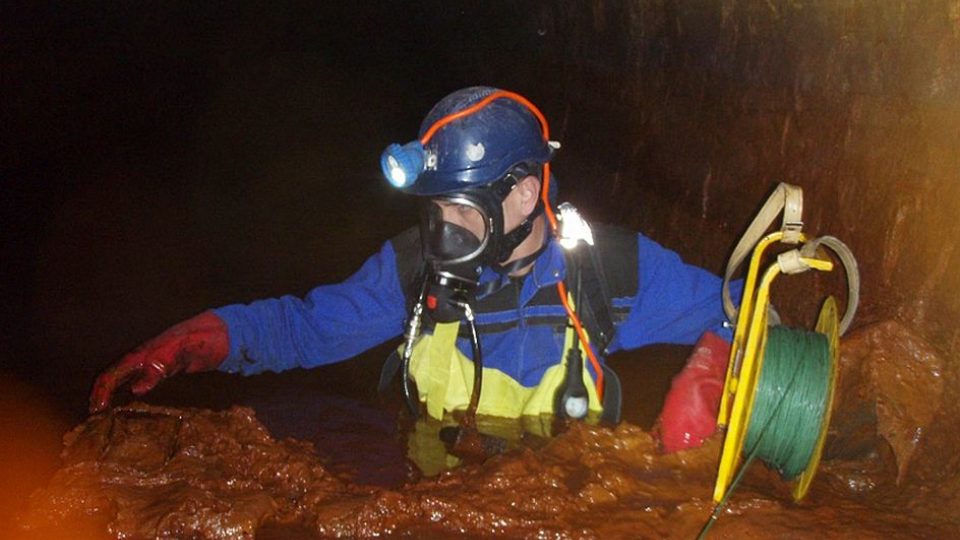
column 787, row 198
column 849, row 266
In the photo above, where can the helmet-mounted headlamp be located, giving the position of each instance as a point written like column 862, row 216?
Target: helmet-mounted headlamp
column 402, row 165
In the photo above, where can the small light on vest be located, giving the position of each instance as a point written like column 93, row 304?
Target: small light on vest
column 575, row 407
column 572, row 227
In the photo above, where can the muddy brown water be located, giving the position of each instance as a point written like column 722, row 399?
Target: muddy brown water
column 361, row 433
column 358, row 434
column 316, row 454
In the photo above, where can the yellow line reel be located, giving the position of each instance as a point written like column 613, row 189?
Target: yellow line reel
column 750, row 335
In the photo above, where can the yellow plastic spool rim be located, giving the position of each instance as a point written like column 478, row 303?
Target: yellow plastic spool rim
column 827, row 324
column 740, row 418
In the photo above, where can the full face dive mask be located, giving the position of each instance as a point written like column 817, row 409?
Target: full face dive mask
column 464, row 232
column 454, row 233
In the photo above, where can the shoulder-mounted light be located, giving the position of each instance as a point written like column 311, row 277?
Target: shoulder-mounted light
column 572, row 228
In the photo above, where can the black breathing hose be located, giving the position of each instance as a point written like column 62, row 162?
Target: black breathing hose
column 477, row 359
column 409, row 337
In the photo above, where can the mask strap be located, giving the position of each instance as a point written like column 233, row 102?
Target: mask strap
column 508, row 269
column 504, row 271
column 511, row 240
column 502, row 188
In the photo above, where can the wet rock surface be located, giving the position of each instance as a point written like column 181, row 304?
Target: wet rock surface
column 153, row 472
column 900, row 377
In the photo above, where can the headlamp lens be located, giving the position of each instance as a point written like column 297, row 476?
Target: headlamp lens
column 397, row 177
column 402, row 164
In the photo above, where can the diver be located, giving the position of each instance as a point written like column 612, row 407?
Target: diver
column 498, row 276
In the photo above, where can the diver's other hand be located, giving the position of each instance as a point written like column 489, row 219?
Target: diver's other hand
column 197, row 344
column 690, row 409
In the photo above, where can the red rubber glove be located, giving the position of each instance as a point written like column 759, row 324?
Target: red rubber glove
column 690, row 410
column 197, row 344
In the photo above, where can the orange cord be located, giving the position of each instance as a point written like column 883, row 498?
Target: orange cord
column 544, row 196
column 483, row 103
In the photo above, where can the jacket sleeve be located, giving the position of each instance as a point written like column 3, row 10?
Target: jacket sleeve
column 675, row 301
column 331, row 323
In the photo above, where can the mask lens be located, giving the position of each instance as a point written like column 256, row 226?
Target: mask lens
column 453, row 230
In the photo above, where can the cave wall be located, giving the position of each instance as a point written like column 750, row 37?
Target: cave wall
column 680, row 117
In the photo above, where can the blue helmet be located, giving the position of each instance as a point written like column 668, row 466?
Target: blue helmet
column 469, row 151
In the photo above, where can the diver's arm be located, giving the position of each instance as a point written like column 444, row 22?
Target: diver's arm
column 331, row 323
column 681, row 303
column 675, row 301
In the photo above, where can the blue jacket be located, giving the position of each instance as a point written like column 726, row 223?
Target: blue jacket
column 673, row 302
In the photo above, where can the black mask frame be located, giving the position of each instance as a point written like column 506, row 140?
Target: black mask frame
column 449, row 249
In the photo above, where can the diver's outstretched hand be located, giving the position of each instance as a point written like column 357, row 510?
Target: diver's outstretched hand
column 197, row 344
